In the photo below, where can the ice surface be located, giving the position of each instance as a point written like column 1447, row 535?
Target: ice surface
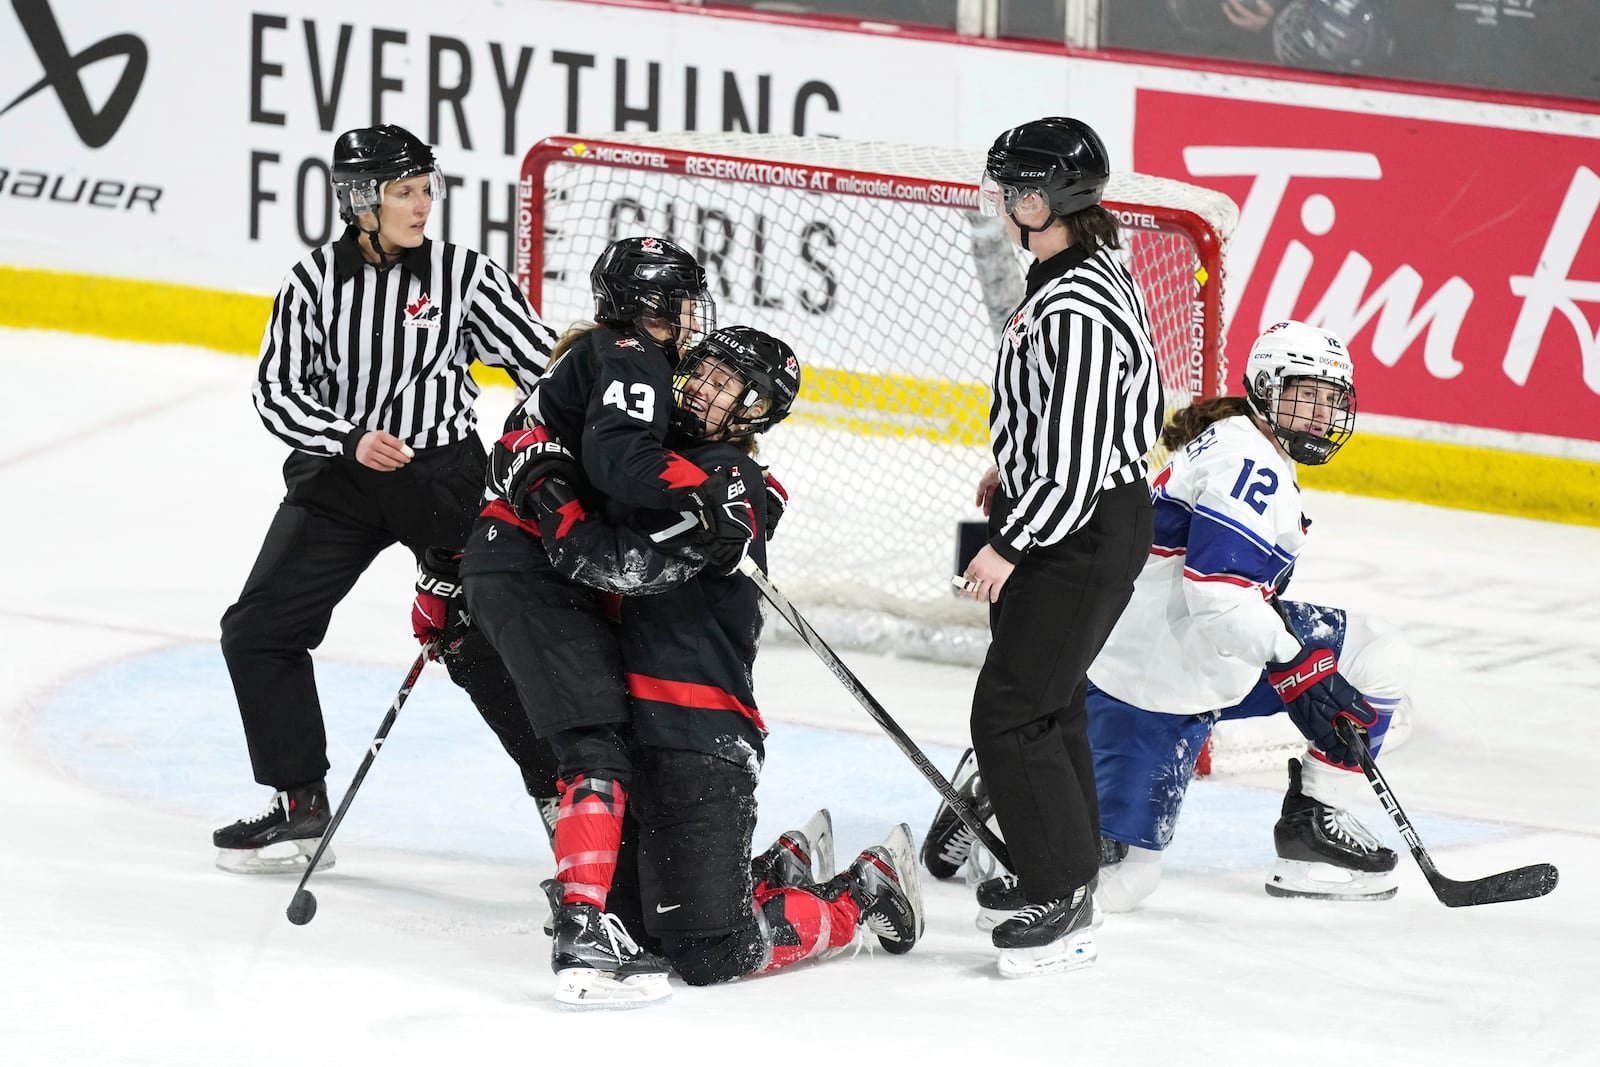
column 137, row 483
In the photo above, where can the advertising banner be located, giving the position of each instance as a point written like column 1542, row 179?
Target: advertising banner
column 188, row 141
column 1463, row 260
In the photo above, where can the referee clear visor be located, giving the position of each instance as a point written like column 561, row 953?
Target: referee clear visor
column 996, row 197
column 367, row 195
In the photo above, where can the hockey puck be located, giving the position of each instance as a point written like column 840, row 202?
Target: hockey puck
column 302, row 908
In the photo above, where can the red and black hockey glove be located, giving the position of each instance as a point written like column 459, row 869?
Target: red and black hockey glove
column 1317, row 697
column 532, row 472
column 439, row 613
column 727, row 521
column 777, row 501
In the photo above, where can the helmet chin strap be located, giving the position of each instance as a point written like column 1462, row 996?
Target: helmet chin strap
column 384, row 257
column 1026, row 229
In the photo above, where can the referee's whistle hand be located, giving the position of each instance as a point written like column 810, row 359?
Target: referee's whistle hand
column 986, row 575
column 382, row 451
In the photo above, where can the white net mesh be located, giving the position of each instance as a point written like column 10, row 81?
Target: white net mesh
column 869, row 260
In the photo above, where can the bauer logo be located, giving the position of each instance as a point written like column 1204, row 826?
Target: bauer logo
column 63, row 67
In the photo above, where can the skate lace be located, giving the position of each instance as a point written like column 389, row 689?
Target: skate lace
column 959, row 846
column 1345, row 828
column 278, row 803
column 881, row 925
column 623, row 946
column 1034, row 912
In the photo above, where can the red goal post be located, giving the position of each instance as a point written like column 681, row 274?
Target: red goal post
column 873, row 262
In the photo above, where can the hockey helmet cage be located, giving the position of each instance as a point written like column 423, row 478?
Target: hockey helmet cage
column 367, row 159
column 770, row 382
column 1339, row 35
column 648, row 277
column 1061, row 159
column 1313, row 426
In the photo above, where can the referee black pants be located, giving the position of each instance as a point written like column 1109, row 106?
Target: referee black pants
column 1029, row 722
column 334, row 520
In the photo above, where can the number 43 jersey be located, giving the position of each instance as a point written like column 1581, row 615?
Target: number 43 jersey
column 1200, row 626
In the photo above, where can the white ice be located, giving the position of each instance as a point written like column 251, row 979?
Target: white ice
column 136, row 483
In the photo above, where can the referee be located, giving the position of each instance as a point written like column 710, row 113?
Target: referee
column 1077, row 404
column 364, row 373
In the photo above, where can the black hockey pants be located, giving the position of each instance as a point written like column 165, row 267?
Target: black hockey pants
column 334, row 520
column 1029, row 723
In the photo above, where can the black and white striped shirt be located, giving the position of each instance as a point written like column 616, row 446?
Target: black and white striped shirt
column 1077, row 396
column 351, row 348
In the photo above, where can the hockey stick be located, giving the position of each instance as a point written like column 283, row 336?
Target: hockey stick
column 303, row 906
column 830, row 659
column 1524, row 883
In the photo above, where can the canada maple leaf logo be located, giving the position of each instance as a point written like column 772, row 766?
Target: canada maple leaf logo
column 679, row 473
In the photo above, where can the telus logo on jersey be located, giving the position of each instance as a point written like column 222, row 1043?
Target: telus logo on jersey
column 94, row 127
column 1473, row 298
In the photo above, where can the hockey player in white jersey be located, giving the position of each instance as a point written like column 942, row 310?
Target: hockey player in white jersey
column 1207, row 637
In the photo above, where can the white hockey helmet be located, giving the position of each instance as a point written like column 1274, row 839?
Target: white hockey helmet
column 1311, row 424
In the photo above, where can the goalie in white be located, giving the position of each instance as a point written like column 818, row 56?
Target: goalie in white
column 1205, row 619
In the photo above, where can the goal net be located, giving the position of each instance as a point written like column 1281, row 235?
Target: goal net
column 873, row 262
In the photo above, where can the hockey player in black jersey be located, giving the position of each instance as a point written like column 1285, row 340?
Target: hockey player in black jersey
column 607, row 397
column 685, row 884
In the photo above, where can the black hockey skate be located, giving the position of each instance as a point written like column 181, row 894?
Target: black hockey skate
column 1048, row 938
column 1325, row 853
column 999, row 899
column 883, row 883
column 949, row 841
column 800, row 857
column 597, row 963
column 282, row 838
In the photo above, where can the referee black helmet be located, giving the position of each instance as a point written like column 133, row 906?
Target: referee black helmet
column 1060, row 159
column 366, row 159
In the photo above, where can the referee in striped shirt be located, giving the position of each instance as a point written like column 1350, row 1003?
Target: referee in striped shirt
column 364, row 373
column 1077, row 404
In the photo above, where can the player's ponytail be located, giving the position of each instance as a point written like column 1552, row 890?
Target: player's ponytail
column 1187, row 423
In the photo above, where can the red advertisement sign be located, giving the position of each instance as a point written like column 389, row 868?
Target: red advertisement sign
column 1460, row 263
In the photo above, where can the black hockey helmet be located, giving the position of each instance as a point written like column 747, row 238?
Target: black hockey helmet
column 366, row 159
column 769, row 381
column 1060, row 159
column 641, row 277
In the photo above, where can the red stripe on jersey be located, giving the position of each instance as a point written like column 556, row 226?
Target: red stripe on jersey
column 690, row 695
column 499, row 509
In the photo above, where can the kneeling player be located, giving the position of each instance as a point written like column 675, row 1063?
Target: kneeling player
column 685, row 884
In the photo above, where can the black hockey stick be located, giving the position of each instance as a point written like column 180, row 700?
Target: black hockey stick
column 830, row 659
column 1524, row 883
column 303, row 907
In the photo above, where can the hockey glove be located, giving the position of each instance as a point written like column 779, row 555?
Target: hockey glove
column 728, row 523
column 440, row 611
column 1317, row 696
column 777, row 501
column 532, row 472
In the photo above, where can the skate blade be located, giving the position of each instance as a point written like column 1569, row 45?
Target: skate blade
column 818, row 832
column 989, row 918
column 586, row 989
column 1068, row 954
column 904, row 853
column 282, row 857
column 1324, row 881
